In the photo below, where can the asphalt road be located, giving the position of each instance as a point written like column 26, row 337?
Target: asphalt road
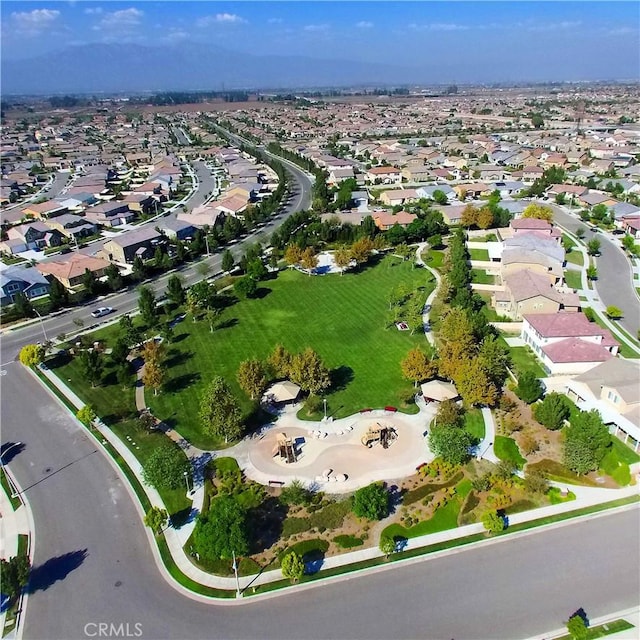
column 614, row 284
column 127, row 301
column 93, row 564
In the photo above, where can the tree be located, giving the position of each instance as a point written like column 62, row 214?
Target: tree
column 592, row 272
column 292, row 566
column 492, row 522
column 15, row 575
column 31, row 355
column 86, row 415
column 156, row 518
column 131, row 334
column 475, row 384
column 114, row 279
column 295, row 493
column 175, row 291
column 485, row 218
column 23, row 305
column 577, row 627
column 452, row 444
column 293, row 254
column 219, row 411
column 138, row 270
column 435, row 241
column 252, row 377
column 154, row 351
column 92, row 365
column 537, row 120
column 58, row 294
column 89, row 282
column 153, row 376
column 342, row 258
column 308, row 371
column 552, row 411
column 201, row 296
column 593, row 247
column 227, row 260
column 361, row 250
column 280, row 361
column 417, row 366
column 223, row 531
column 165, row 467
column 256, row 270
column 580, row 232
column 586, row 441
column 458, row 342
column 613, row 312
column 629, row 243
column 536, row 482
column 147, row 306
column 387, row 545
column 440, row 197
column 245, row 287
column 309, row 260
column 449, row 414
column 539, row 212
column 371, row 502
column 529, row 388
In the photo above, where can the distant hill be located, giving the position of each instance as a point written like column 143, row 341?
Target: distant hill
column 132, row 68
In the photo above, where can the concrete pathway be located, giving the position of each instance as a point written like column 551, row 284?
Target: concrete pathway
column 485, row 448
column 177, row 537
column 427, row 305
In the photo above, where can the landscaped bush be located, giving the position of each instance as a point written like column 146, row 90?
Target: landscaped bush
column 332, row 516
column 348, row 542
column 426, row 489
column 306, row 548
column 291, row 526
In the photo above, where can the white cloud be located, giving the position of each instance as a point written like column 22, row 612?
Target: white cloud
column 220, row 18
column 621, row 31
column 123, row 20
column 176, row 35
column 364, row 24
column 316, row 28
column 439, row 26
column 36, row 21
column 93, row 11
column 556, row 26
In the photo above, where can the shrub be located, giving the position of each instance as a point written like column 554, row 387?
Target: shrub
column 492, row 522
column 348, row 542
column 295, row 493
column 292, row 566
column 529, row 388
column 371, row 502
column 552, row 411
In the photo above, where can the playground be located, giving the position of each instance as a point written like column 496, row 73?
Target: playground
column 343, row 455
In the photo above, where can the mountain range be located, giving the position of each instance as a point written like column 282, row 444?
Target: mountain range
column 111, row 68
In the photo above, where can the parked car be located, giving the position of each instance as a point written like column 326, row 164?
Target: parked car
column 102, row 311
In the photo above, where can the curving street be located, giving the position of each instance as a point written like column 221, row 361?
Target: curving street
column 93, row 562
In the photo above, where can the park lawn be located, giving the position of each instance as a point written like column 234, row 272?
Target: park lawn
column 479, row 254
column 623, row 452
column 575, row 257
column 340, row 317
column 435, row 258
column 568, row 242
column 444, row 518
column 474, row 423
column 617, row 460
column 522, row 359
column 507, row 449
column 573, row 278
column 480, row 276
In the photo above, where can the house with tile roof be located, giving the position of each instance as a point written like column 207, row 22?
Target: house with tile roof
column 567, row 343
column 612, row 389
column 69, row 268
column 526, row 291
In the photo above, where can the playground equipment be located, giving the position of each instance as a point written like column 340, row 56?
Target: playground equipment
column 379, row 434
column 285, row 448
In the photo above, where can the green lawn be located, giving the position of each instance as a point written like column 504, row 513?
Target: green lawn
column 507, row 449
column 624, row 350
column 617, row 460
column 523, row 359
column 474, row 423
column 444, row 518
column 479, row 254
column 573, row 278
column 480, row 276
column 575, row 257
column 341, row 317
column 434, row 258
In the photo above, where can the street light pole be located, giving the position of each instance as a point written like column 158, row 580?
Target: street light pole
column 14, row 494
column 324, row 400
column 235, row 571
column 206, row 239
column 44, row 333
column 186, row 479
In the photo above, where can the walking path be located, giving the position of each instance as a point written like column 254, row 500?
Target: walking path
column 176, row 538
column 427, row 305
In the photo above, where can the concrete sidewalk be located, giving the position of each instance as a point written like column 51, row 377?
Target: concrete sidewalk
column 630, row 615
column 176, row 538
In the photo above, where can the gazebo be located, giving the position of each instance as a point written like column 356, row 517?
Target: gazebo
column 437, row 391
column 280, row 392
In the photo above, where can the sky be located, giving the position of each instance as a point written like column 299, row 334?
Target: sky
column 591, row 40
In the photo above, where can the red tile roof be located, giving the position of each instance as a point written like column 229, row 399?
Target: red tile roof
column 568, row 325
column 576, row 350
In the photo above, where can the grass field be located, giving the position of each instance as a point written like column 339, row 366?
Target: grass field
column 573, row 278
column 480, row 276
column 341, row 317
column 575, row 257
column 507, row 449
column 479, row 254
column 522, row 359
column 474, row 423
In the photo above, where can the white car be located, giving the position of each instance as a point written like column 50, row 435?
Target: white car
column 102, row 311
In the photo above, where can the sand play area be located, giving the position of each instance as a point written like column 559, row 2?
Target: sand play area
column 331, row 455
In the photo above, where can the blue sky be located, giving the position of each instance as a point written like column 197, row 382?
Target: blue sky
column 483, row 39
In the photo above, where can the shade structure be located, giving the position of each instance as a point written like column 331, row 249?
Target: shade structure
column 438, row 390
column 283, row 391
